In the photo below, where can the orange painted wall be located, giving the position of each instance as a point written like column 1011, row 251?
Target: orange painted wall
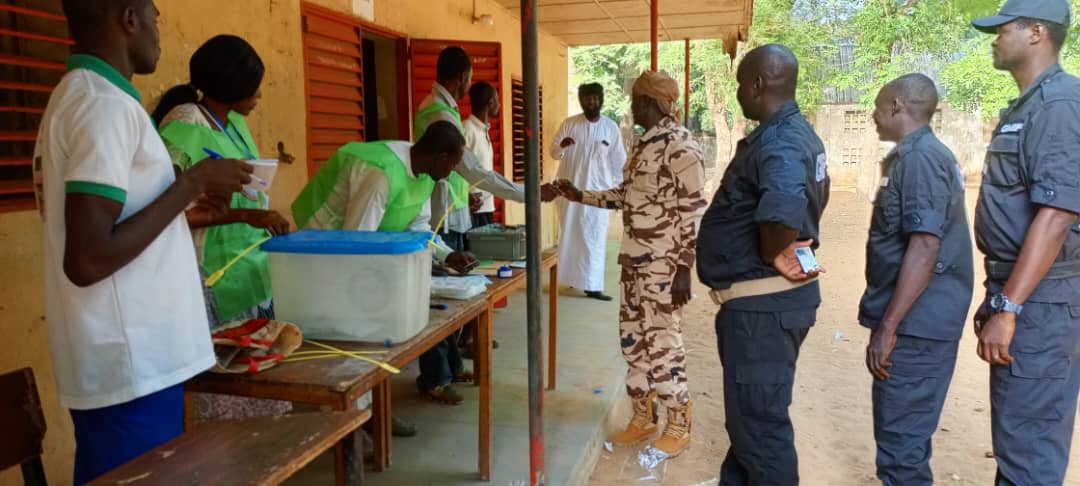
column 273, row 27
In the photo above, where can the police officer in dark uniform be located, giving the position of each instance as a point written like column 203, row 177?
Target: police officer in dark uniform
column 919, row 281
column 770, row 202
column 1026, row 225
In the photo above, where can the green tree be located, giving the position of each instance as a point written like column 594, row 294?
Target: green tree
column 889, row 37
column 712, row 76
column 934, row 37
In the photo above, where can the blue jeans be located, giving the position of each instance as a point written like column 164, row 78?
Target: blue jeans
column 440, row 364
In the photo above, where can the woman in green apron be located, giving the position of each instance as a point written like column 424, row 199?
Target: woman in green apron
column 227, row 72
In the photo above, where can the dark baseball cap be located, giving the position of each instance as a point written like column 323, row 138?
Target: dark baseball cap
column 1056, row 11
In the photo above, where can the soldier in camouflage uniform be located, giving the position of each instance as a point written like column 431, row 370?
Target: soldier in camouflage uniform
column 662, row 200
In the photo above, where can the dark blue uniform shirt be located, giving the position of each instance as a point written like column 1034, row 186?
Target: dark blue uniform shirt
column 921, row 191
column 778, row 175
column 1033, row 161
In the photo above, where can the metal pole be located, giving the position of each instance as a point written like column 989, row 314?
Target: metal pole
column 529, row 49
column 686, row 90
column 654, row 33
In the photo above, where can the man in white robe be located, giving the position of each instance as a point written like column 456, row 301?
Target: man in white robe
column 591, row 149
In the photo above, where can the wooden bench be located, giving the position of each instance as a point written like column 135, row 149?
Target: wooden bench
column 260, row 451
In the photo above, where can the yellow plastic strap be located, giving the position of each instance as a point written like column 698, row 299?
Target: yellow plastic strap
column 213, row 279
column 340, row 352
column 447, row 213
column 334, row 353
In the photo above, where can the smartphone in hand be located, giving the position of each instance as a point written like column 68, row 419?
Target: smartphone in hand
column 806, row 259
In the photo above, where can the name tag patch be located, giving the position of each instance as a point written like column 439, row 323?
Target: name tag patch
column 822, row 168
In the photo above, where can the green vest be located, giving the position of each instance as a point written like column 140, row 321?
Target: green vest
column 459, row 187
column 247, row 283
column 407, row 197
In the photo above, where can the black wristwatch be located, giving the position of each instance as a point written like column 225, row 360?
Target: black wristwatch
column 1000, row 302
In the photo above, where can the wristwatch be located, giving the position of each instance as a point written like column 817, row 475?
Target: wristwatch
column 999, row 302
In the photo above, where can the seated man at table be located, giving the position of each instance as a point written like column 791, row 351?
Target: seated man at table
column 387, row 186
column 384, row 186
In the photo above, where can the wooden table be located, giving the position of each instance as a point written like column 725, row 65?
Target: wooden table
column 262, row 451
column 503, row 287
column 339, row 381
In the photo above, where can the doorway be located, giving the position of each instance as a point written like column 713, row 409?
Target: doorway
column 386, row 102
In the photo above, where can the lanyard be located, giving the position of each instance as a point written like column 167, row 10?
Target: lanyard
column 241, row 145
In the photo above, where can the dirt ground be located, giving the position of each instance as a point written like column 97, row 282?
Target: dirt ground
column 831, row 409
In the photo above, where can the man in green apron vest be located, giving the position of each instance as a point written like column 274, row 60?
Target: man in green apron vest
column 453, row 79
column 453, row 76
column 384, row 186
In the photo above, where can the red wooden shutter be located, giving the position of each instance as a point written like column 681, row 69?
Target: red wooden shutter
column 334, row 82
column 487, row 66
column 517, row 106
column 33, row 46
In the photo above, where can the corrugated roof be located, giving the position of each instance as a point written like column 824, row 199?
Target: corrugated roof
column 593, row 22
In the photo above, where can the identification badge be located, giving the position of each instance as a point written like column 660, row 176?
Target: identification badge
column 822, row 168
column 884, row 182
column 1012, row 128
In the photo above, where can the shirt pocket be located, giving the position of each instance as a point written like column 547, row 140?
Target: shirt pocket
column 1003, row 160
column 645, row 180
column 886, row 219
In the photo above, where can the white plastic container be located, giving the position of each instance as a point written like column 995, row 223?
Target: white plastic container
column 352, row 285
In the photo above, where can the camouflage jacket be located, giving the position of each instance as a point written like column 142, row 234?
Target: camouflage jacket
column 662, row 197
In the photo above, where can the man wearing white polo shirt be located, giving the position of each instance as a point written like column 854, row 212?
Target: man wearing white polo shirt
column 126, row 318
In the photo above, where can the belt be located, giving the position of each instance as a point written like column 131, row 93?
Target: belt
column 756, row 287
column 1000, row 271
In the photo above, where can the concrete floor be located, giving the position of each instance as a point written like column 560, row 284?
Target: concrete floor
column 576, row 415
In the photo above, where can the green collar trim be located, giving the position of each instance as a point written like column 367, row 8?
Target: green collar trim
column 99, row 66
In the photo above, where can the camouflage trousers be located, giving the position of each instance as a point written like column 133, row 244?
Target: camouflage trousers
column 649, row 328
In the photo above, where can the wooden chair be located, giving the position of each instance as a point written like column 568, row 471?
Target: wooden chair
column 23, row 424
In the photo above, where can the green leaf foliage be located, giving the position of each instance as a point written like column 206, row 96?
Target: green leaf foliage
column 889, row 38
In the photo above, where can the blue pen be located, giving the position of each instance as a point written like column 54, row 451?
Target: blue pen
column 215, row 155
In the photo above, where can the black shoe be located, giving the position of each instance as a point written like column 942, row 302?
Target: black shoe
column 598, row 295
column 401, row 428
column 398, row 428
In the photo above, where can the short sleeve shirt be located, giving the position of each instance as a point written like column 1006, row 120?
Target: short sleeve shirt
column 478, row 141
column 143, row 328
column 921, row 191
column 1032, row 161
column 779, row 175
